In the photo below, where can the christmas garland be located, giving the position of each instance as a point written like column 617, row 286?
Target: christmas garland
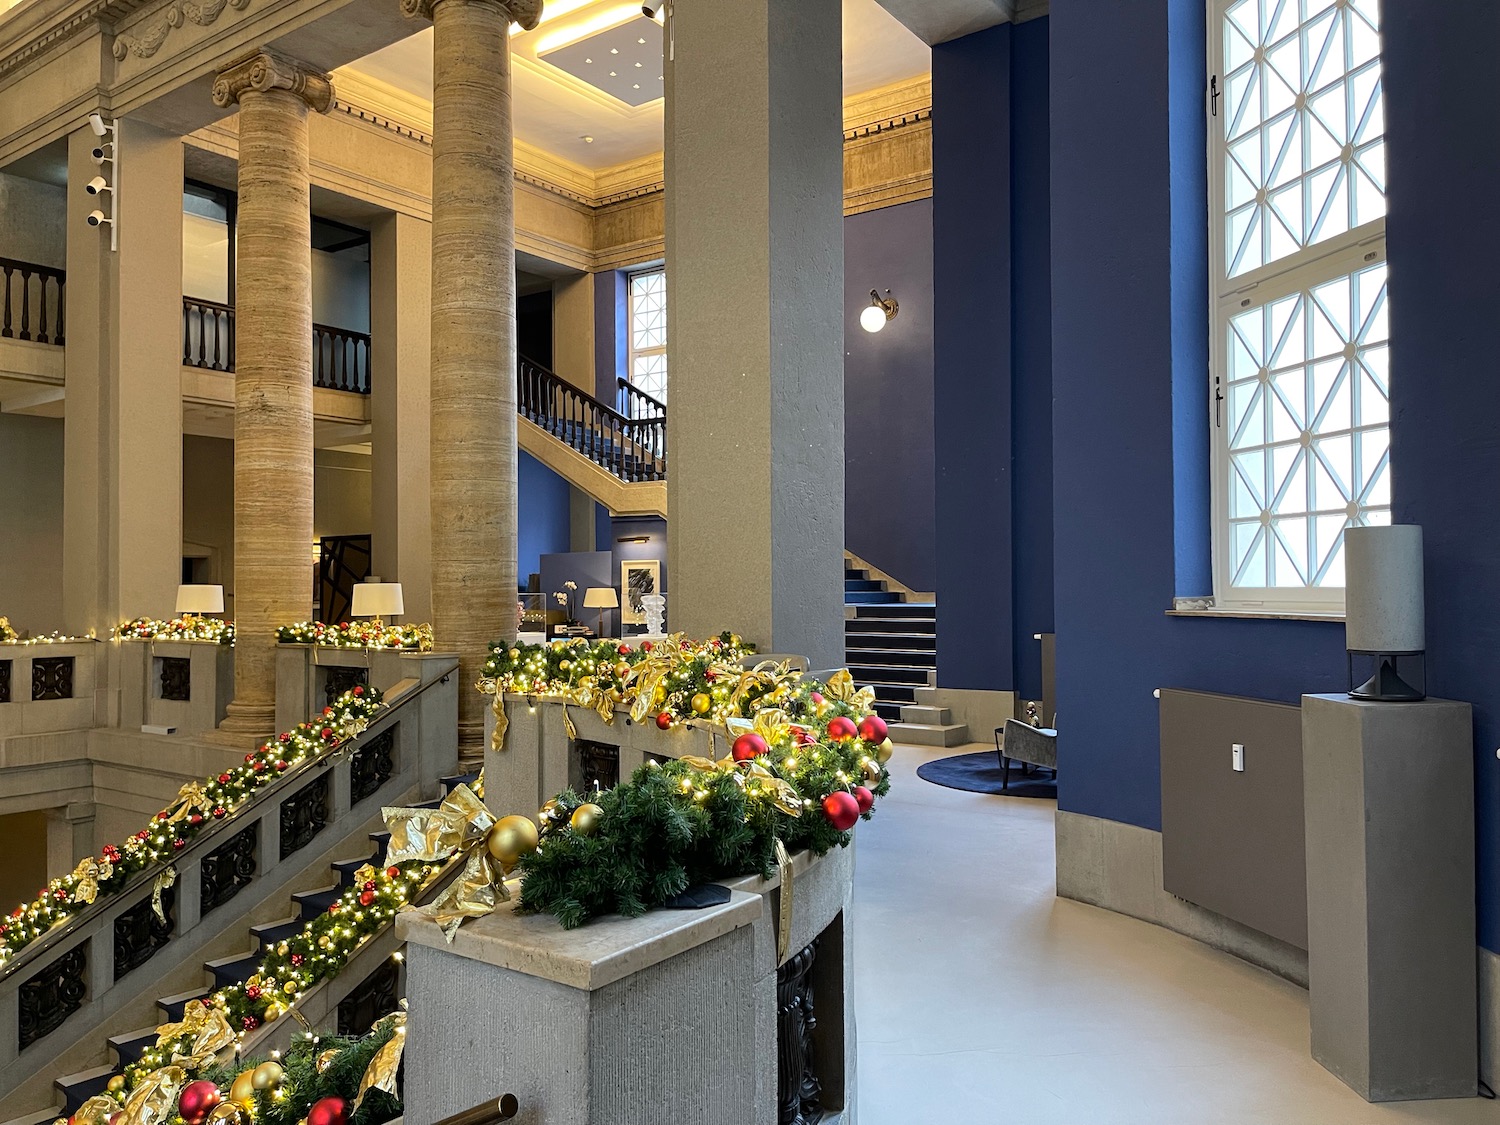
column 7, row 634
column 197, row 805
column 177, row 629
column 358, row 634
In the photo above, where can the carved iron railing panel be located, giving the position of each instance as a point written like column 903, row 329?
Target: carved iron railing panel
column 376, row 996
column 372, row 765
column 139, row 933
column 338, row 680
column 594, row 764
column 303, row 815
column 227, row 870
column 4, row 681
column 798, row 1089
column 177, row 678
column 51, row 677
column 52, row 995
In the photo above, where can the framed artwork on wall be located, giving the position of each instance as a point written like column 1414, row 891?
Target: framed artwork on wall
column 638, row 577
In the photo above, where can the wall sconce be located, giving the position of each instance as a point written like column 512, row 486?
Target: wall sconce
column 874, row 318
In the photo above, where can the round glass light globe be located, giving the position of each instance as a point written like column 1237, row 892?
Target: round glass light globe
column 872, row 319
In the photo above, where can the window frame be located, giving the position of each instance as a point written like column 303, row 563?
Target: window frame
column 631, row 351
column 1331, row 259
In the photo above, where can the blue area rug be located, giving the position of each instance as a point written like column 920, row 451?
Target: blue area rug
column 980, row 773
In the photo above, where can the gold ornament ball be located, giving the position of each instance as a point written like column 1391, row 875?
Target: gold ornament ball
column 324, row 942
column 116, row 1084
column 872, row 770
column 511, row 838
column 267, row 1076
column 274, row 1011
column 564, row 665
column 622, row 670
column 515, row 653
column 884, row 751
column 586, row 819
column 290, row 988
column 243, row 1090
column 701, row 703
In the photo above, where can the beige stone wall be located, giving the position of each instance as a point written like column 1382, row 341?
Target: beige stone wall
column 341, row 493
column 208, row 507
column 32, row 218
column 23, row 843
column 31, row 467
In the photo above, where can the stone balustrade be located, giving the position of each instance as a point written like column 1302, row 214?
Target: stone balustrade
column 48, row 688
column 310, row 677
column 185, row 685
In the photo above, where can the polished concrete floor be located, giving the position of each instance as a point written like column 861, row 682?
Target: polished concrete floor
column 982, row 997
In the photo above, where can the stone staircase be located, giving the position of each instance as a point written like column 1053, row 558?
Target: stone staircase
column 367, row 1001
column 890, row 644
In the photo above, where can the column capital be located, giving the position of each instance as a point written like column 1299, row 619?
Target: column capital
column 527, row 13
column 265, row 69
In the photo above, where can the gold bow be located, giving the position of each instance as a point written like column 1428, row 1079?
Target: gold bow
column 164, row 879
column 154, row 1100
column 456, row 827
column 753, row 777
column 209, row 1031
column 840, row 686
column 95, row 1111
column 89, row 874
column 771, row 724
column 191, row 796
column 381, row 1073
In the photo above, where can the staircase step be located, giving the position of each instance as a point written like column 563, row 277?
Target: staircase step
column 871, row 597
column 269, row 933
column 890, row 657
column 922, row 715
column 863, row 585
column 347, row 867
column 870, row 640
column 930, row 734
column 130, row 1045
column 39, row 1117
column 890, row 712
column 317, row 902
column 891, row 626
column 172, row 1006
column 454, row 781
column 890, row 674
column 857, row 575
column 897, row 608
column 79, row 1088
column 233, row 969
column 895, row 693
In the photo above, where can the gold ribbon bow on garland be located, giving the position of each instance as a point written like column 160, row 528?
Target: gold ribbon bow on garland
column 154, row 1100
column 191, row 796
column 753, row 777
column 840, row 687
column 381, row 1073
column 88, row 875
column 461, row 825
column 209, row 1030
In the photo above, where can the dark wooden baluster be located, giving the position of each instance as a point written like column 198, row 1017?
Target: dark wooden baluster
column 41, row 333
column 187, row 333
column 203, row 314
column 62, row 309
column 6, row 330
column 25, row 304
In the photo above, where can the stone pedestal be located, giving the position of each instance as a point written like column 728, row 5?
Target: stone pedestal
column 1389, row 801
column 182, row 684
column 46, row 688
column 676, row 1016
column 305, row 674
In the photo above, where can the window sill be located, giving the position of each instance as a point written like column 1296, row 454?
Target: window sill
column 1258, row 614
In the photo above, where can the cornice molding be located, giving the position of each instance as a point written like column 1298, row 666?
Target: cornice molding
column 145, row 37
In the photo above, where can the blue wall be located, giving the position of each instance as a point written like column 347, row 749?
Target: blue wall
column 541, row 515
column 888, row 417
column 1129, row 362
column 1443, row 240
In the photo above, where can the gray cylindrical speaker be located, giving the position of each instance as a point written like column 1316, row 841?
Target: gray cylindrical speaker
column 1384, row 606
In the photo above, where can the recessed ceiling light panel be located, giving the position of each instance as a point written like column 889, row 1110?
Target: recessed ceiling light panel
column 628, row 47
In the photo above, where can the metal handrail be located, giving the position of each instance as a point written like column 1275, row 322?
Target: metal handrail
column 630, row 448
column 633, row 392
column 503, row 1108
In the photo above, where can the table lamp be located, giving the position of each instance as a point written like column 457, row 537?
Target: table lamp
column 195, row 599
column 600, row 598
column 374, row 598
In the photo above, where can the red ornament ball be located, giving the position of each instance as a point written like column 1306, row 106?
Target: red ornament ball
column 219, row 813
column 327, row 732
column 223, row 779
column 393, row 872
column 196, row 1100
column 249, row 1023
column 179, row 842
column 329, row 1111
column 842, row 729
column 623, row 650
column 280, row 764
column 873, row 730
column 841, row 809
column 327, row 711
column 369, row 885
column 366, row 897
column 297, row 959
column 865, row 798
column 664, row 720
column 749, row 745
column 252, row 992
column 249, row 758
column 333, row 908
column 259, row 767
column 161, row 816
column 358, row 689
column 647, row 646
column 285, row 737
column 196, row 819
column 816, row 697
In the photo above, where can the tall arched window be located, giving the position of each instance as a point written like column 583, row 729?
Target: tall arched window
column 648, row 331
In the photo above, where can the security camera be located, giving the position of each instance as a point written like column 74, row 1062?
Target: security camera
column 96, row 185
column 651, row 7
column 96, row 123
column 100, row 155
column 97, row 218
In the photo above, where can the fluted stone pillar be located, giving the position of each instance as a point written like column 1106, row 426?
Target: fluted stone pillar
column 273, row 418
column 473, row 337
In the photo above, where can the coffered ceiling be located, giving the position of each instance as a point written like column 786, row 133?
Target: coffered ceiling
column 588, row 81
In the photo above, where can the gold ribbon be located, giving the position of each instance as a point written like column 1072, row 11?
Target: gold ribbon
column 840, row 686
column 89, row 874
column 154, row 1100
column 164, row 880
column 208, row 1030
column 95, row 1111
column 381, row 1073
column 782, row 793
column 502, row 721
column 191, row 796
column 784, row 900
column 456, row 827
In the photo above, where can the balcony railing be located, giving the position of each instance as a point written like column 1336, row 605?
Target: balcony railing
column 341, row 358
column 632, row 449
column 33, row 302
column 636, row 403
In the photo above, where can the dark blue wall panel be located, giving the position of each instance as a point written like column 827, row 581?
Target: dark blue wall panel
column 888, row 418
column 541, row 514
column 1443, row 243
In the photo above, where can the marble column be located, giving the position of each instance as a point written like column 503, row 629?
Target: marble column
column 273, row 418
column 755, row 267
column 473, row 390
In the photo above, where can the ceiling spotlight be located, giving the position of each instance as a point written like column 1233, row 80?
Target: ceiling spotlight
column 100, row 127
column 96, row 185
column 98, row 218
column 588, row 140
column 651, row 8
column 874, row 318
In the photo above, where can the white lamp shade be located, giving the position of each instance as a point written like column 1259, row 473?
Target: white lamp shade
column 377, row 599
column 600, row 597
column 1384, row 606
column 200, row 599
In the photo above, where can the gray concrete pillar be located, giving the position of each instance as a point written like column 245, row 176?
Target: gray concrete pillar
column 754, row 222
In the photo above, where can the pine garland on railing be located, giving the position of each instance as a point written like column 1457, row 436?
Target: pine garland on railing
column 357, row 634
column 175, row 629
column 198, row 804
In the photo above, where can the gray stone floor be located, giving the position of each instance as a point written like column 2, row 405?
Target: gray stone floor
column 981, row 997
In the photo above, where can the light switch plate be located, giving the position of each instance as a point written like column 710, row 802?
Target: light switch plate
column 1237, row 757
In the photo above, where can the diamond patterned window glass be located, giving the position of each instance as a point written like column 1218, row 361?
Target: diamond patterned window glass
column 1302, row 126
column 1300, row 367
column 648, row 332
